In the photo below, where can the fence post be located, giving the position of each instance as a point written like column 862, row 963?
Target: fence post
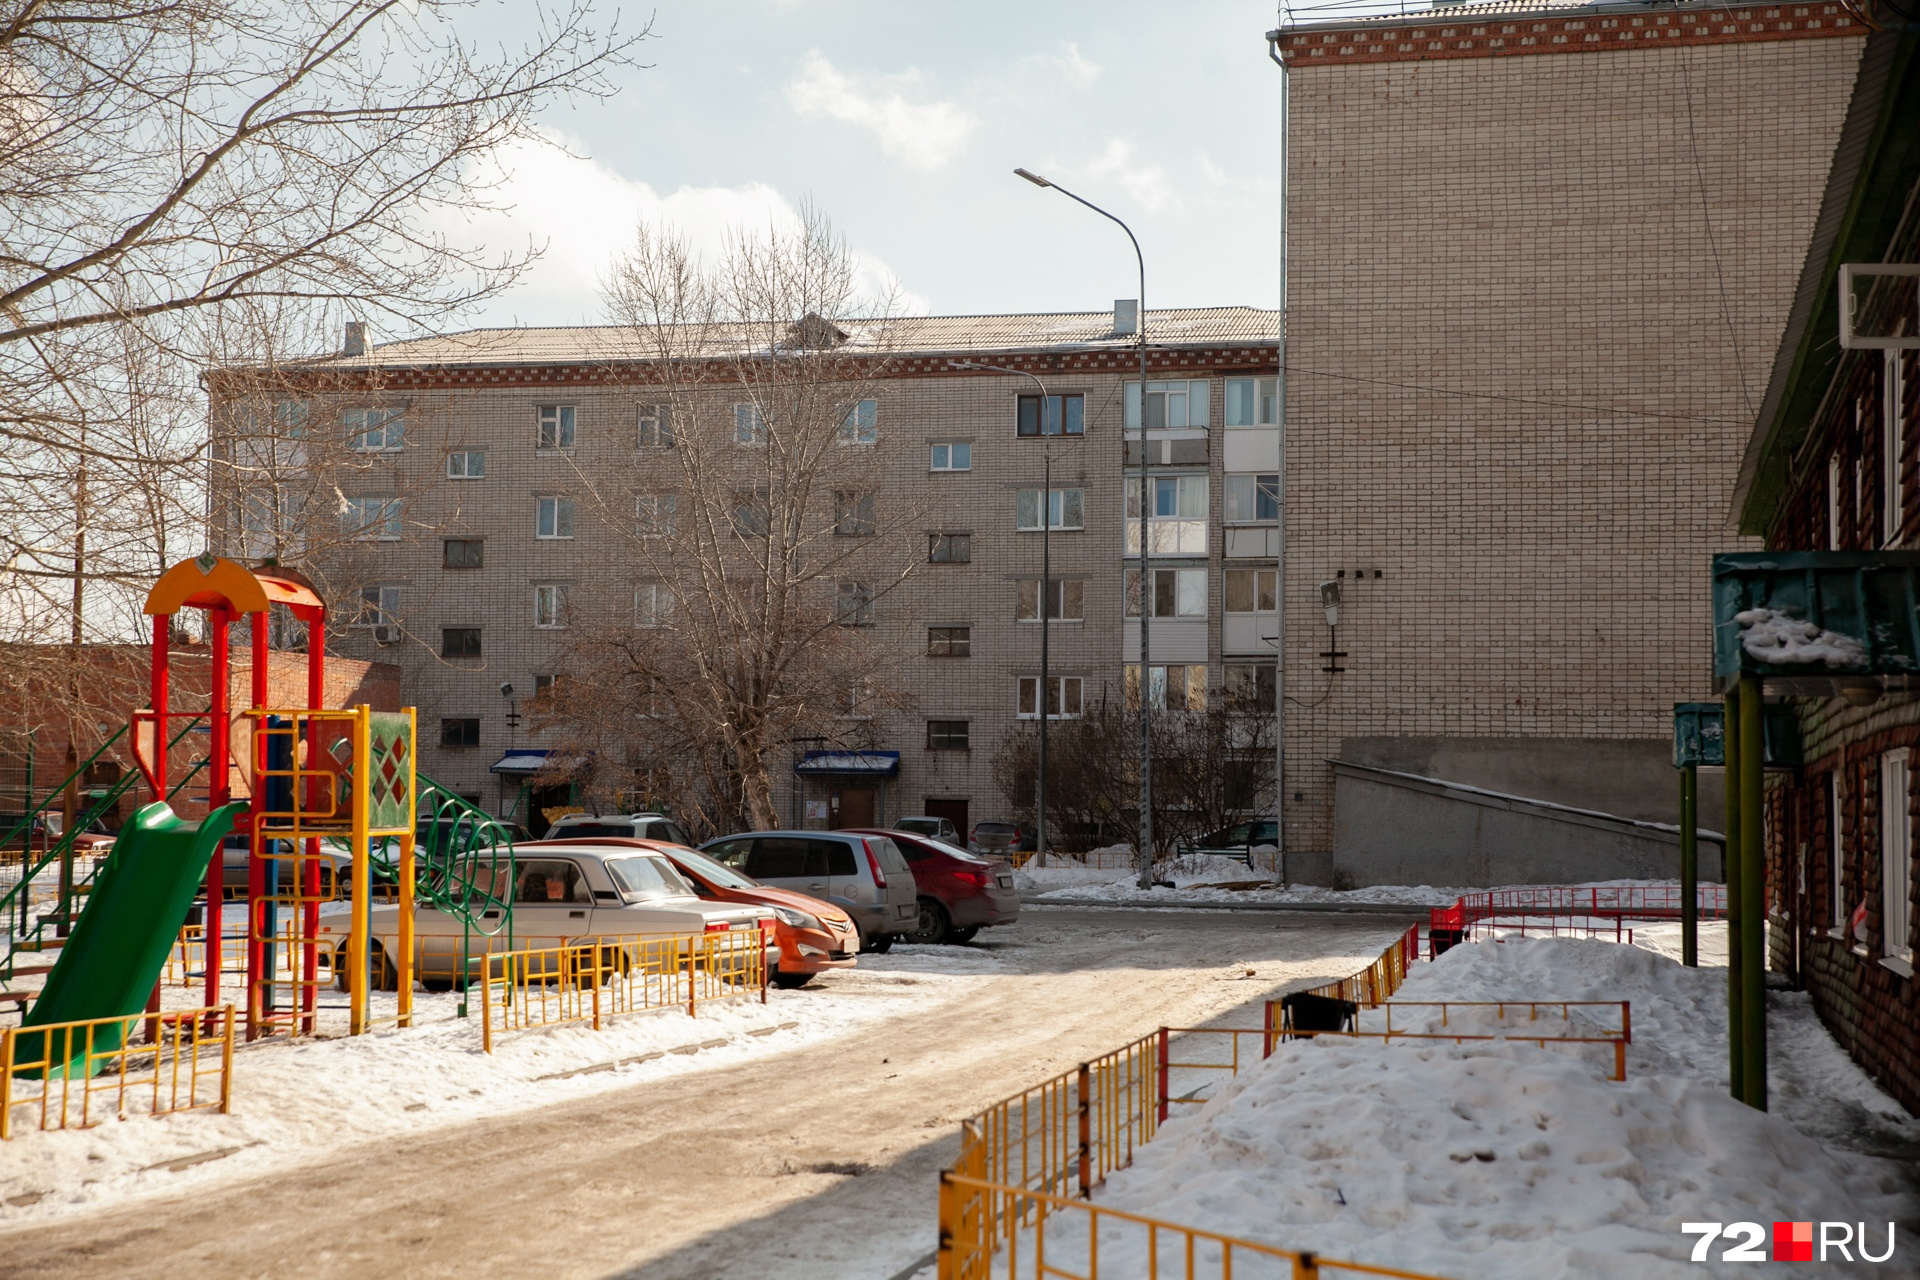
column 1086, row 1133
column 1161, row 1088
column 946, row 1224
column 600, row 973
column 1266, row 1030
column 486, row 998
column 692, row 987
column 6, row 1083
column 761, row 951
column 1306, row 1266
column 226, row 1067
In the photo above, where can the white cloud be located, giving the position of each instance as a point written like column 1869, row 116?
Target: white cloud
column 1146, row 183
column 921, row 135
column 1075, row 69
column 582, row 213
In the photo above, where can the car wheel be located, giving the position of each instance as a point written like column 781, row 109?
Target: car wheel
column 385, row 977
column 963, row 935
column 933, row 926
column 878, row 946
column 791, row 981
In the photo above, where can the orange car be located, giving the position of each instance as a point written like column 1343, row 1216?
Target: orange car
column 813, row 935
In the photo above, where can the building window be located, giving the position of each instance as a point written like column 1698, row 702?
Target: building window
column 1066, row 509
column 460, row 642
column 550, row 607
column 853, row 605
column 1177, row 525
column 750, row 514
column 852, row 513
column 1063, row 698
column 1836, row 857
column 270, row 523
column 1253, row 499
column 460, row 732
column 1896, row 857
column 467, row 464
column 463, row 553
column 555, row 519
column 1250, row 686
column 1177, row 593
column 949, row 642
column 652, row 604
column 1250, row 590
column 374, row 519
column 856, row 701
column 657, row 515
column 951, row 455
column 1181, row 403
column 1893, row 444
column 556, row 426
column 1253, row 402
column 1833, row 502
column 947, row 735
column 378, row 607
column 1170, row 688
column 545, row 687
column 861, row 425
column 1066, row 416
column 1065, row 600
column 375, row 430
column 749, row 427
column 950, row 548
column 656, row 426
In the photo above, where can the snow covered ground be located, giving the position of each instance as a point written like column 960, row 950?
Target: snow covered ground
column 294, row 1100
column 1506, row 1160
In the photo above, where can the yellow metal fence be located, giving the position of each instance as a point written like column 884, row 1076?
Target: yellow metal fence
column 68, row 1075
column 589, row 980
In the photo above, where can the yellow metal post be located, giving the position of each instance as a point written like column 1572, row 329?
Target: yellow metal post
column 403, row 945
column 359, row 933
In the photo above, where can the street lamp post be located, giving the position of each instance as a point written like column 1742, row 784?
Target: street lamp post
column 1046, row 591
column 1146, row 501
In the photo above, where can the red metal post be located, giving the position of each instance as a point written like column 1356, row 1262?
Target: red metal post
column 1162, row 1088
column 310, row 865
column 256, row 863
column 157, row 699
column 217, row 792
column 1086, row 1132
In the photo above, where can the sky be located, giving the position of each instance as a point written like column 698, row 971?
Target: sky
column 903, row 123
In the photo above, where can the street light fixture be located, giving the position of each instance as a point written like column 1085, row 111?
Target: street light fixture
column 1146, row 504
column 1046, row 590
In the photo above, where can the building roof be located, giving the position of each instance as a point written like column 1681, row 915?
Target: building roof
column 1317, row 19
column 910, row 335
column 1875, row 167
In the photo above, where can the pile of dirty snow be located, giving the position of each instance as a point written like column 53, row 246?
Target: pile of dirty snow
column 1780, row 639
column 1506, row 1160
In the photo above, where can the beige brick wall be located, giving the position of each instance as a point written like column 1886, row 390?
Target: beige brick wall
column 1532, row 228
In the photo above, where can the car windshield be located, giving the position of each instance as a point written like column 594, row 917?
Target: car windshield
column 996, row 828
column 642, row 878
column 716, row 872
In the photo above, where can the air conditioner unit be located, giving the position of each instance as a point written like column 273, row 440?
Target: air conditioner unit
column 386, row 635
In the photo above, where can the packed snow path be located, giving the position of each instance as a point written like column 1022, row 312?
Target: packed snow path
column 817, row 1161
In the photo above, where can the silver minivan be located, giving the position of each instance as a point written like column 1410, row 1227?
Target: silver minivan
column 864, row 875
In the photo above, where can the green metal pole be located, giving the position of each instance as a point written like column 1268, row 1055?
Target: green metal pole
column 1730, row 740
column 1689, row 867
column 1753, row 907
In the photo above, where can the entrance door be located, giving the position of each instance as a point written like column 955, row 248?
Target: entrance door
column 850, row 807
column 954, row 811
column 545, row 798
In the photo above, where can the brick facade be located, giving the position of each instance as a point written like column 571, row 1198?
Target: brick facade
column 1517, row 397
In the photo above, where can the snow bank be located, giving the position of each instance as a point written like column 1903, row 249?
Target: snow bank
column 310, row 1100
column 1778, row 639
column 1121, row 889
column 1506, row 1160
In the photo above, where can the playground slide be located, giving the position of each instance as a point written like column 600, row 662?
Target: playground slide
column 122, row 938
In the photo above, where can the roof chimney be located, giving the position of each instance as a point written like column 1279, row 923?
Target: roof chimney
column 1126, row 316
column 356, row 343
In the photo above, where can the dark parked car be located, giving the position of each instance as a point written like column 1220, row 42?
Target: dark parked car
column 999, row 837
column 921, row 825
column 1237, row 841
column 960, row 893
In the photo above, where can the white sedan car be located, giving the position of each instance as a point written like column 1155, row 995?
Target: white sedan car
column 561, row 895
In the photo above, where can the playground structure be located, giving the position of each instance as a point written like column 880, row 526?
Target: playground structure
column 290, row 780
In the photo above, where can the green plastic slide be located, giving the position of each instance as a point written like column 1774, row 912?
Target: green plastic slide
column 123, row 936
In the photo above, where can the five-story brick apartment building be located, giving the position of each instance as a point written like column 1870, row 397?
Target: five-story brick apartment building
column 472, row 542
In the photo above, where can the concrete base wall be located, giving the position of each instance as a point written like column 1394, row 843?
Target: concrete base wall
column 1393, row 828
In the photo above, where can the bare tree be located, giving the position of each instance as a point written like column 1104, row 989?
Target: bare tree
column 177, row 173
column 764, row 548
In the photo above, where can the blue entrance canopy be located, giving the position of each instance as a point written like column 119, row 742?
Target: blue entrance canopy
column 860, row 764
column 521, row 760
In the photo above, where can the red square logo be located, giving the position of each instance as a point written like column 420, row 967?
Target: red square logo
column 1793, row 1242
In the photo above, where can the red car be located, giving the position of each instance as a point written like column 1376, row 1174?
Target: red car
column 960, row 893
column 813, row 936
